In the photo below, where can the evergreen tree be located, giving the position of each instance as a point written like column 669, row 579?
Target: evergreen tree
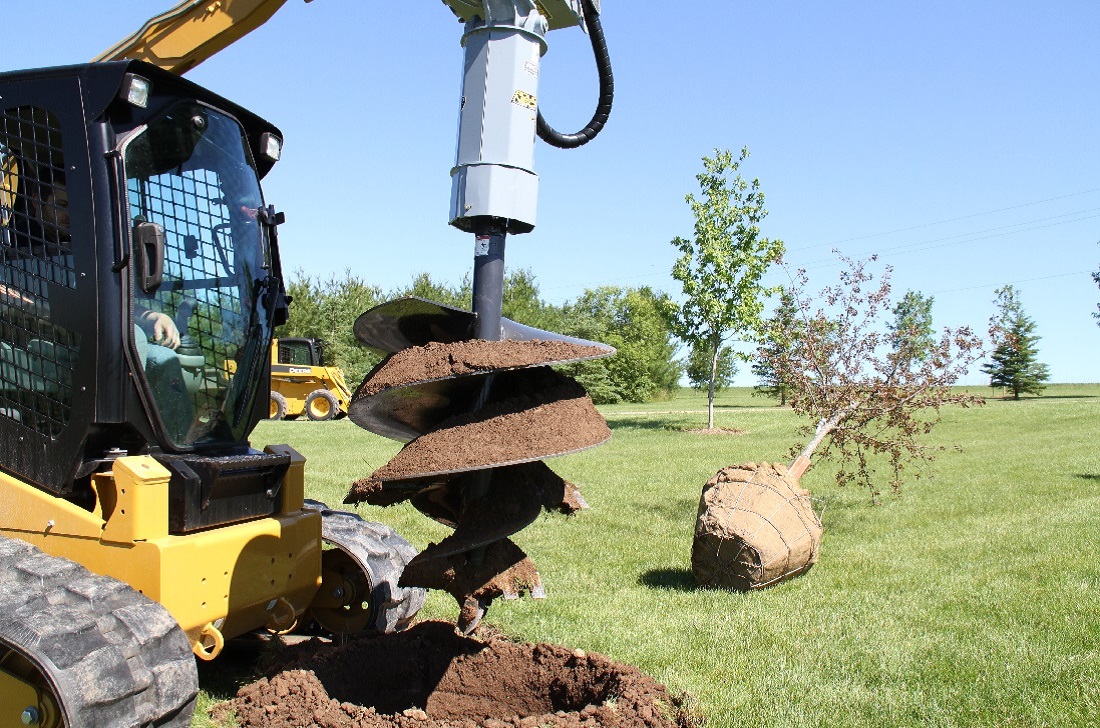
column 779, row 332
column 1014, row 362
column 326, row 309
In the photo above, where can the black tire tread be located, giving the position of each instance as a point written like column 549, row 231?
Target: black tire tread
column 334, row 405
column 384, row 554
column 280, row 405
column 116, row 658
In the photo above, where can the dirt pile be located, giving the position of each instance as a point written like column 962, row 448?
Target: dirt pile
column 430, row 677
column 756, row 526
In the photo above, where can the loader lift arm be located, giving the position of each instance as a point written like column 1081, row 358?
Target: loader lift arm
column 185, row 36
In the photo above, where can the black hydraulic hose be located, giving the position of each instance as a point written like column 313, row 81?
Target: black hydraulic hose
column 607, row 89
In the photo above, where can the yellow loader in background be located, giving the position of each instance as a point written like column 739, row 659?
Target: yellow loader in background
column 301, row 383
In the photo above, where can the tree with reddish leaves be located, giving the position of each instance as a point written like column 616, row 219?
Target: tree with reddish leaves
column 866, row 398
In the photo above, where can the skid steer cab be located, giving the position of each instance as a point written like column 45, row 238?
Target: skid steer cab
column 139, row 288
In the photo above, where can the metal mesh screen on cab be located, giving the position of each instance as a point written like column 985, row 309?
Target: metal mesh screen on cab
column 36, row 356
column 200, row 290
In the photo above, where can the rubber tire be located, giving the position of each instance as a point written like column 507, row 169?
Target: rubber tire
column 278, row 404
column 383, row 554
column 330, row 402
column 113, row 658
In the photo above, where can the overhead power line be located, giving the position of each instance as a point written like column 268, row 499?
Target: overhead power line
column 1012, row 283
column 943, row 222
column 937, row 243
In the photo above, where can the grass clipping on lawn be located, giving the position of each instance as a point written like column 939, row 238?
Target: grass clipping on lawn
column 755, row 527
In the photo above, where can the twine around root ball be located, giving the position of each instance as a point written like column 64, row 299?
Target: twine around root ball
column 755, row 527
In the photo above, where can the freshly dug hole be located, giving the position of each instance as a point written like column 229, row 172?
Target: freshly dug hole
column 755, row 527
column 430, row 677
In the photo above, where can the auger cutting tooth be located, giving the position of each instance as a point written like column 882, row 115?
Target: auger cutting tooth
column 478, row 417
column 503, row 570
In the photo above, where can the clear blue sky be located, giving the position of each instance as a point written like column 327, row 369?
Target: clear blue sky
column 959, row 140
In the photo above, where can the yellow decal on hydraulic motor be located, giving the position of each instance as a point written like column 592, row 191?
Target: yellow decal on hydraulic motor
column 524, row 99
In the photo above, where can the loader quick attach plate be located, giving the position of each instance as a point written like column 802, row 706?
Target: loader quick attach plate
column 212, row 491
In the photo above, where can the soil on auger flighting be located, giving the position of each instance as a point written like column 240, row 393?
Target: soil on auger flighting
column 438, row 360
column 431, row 677
column 556, row 420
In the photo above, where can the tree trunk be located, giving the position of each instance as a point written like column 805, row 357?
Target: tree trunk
column 802, row 463
column 710, row 392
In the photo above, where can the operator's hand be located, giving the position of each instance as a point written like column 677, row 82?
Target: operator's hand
column 160, row 328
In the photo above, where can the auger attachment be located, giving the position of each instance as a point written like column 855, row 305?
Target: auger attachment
column 472, row 392
column 479, row 416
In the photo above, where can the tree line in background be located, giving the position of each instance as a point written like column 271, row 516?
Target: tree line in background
column 639, row 323
column 633, row 320
column 721, row 320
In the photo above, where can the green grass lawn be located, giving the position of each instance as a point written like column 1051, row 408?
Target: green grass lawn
column 973, row 600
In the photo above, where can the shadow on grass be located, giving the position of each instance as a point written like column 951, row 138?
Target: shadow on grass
column 1067, row 396
column 659, row 424
column 1040, row 398
column 237, row 666
column 1084, row 476
column 675, row 510
column 673, row 579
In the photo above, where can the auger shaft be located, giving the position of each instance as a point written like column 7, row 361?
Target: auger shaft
column 488, row 304
column 488, row 298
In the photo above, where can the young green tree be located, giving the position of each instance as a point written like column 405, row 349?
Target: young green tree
column 700, row 367
column 720, row 269
column 911, row 331
column 779, row 333
column 1014, row 363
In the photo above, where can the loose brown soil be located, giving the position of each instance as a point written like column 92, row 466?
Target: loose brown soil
column 430, row 677
column 437, row 360
column 555, row 420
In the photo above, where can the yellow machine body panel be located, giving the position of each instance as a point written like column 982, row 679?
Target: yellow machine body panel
column 217, row 583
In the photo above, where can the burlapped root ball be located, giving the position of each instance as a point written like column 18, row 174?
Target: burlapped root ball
column 756, row 527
